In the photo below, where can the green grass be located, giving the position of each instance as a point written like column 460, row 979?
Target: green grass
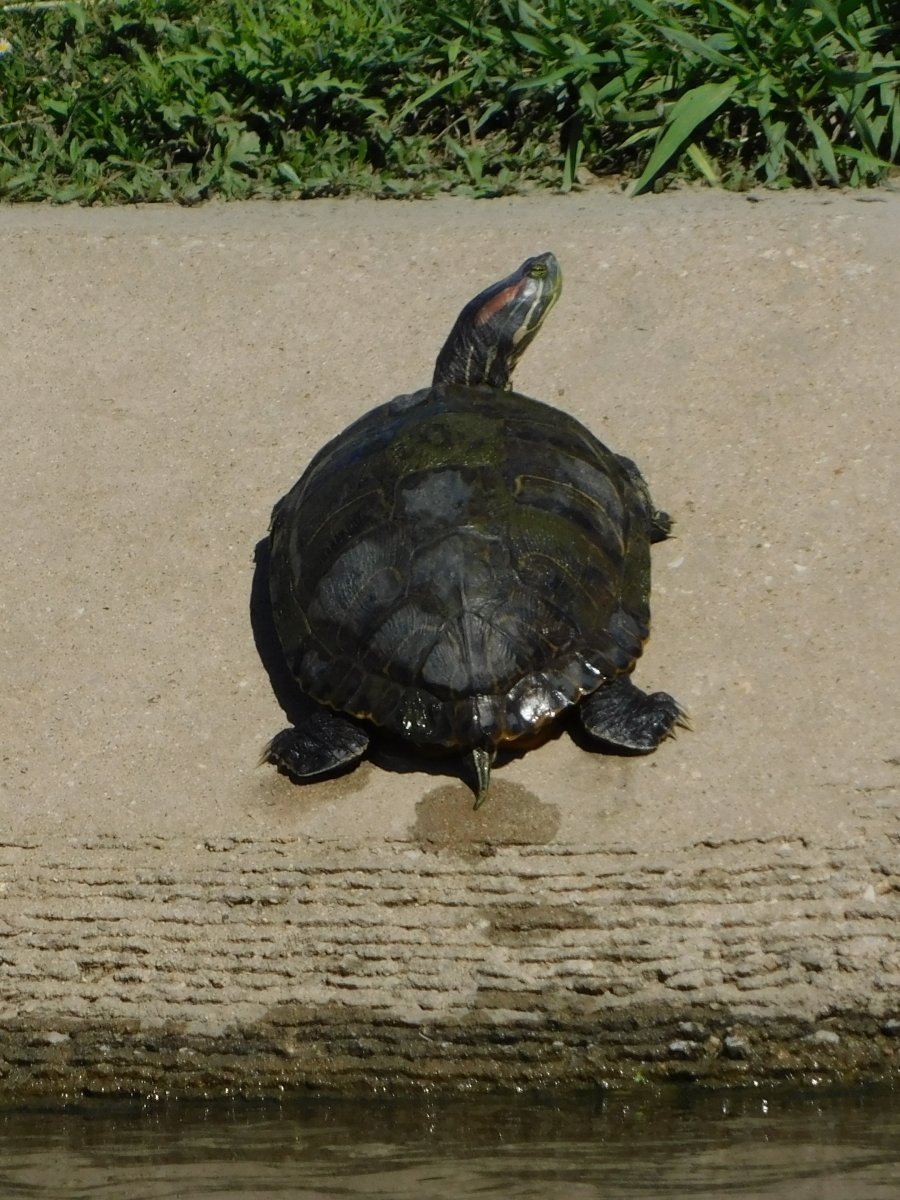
column 187, row 99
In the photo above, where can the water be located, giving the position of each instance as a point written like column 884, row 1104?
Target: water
column 764, row 1145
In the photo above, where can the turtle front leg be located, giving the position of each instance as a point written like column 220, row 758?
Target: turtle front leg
column 660, row 525
column 659, row 522
column 321, row 743
column 621, row 715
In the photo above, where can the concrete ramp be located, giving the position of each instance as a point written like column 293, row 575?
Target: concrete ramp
column 175, row 920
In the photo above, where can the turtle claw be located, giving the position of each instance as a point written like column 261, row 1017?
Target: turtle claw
column 623, row 716
column 323, row 743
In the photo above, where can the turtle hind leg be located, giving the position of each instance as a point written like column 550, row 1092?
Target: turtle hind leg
column 624, row 717
column 321, row 743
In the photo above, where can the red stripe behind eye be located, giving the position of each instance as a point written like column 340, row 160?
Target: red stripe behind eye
column 497, row 302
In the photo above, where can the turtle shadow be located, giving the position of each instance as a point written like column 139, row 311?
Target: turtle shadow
column 393, row 753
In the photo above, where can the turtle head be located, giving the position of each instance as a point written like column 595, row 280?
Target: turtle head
column 493, row 330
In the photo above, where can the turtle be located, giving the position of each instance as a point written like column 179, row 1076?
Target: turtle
column 463, row 564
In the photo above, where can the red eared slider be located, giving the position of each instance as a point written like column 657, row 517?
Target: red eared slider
column 462, row 564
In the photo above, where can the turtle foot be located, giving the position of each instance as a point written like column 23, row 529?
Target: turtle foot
column 623, row 716
column 324, row 742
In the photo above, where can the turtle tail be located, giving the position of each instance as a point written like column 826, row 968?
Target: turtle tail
column 481, row 761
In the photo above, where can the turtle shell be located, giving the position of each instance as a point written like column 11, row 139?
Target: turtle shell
column 460, row 565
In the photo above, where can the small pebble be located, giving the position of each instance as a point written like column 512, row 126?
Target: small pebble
column 735, row 1047
column 824, row 1037
column 690, row 1029
column 55, row 1038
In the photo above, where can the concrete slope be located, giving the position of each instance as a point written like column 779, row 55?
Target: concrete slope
column 176, row 918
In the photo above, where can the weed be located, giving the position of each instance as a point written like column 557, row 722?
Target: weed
column 186, row 99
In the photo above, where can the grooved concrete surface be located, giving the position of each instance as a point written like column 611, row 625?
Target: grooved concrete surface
column 175, row 919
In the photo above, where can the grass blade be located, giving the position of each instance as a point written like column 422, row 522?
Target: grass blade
column 688, row 114
column 826, row 153
column 704, row 165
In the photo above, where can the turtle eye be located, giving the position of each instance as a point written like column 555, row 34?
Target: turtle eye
column 537, row 270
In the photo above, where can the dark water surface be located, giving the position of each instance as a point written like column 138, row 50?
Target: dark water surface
column 764, row 1145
